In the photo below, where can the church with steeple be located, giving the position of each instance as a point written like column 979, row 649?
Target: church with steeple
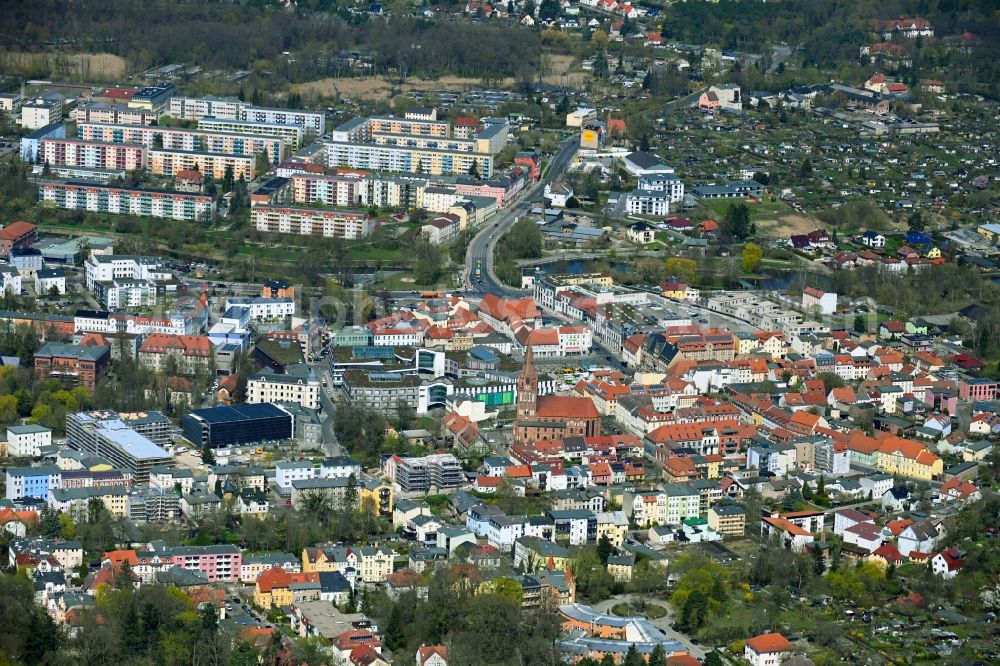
column 550, row 417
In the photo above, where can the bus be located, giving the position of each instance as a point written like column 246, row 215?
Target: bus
column 430, row 294
column 479, row 268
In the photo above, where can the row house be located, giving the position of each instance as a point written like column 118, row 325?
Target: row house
column 372, row 563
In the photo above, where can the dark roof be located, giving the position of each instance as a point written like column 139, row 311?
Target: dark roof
column 239, row 412
column 644, row 160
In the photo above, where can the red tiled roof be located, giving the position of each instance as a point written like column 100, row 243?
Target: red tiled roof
column 189, row 174
column 773, row 642
column 557, row 406
column 16, row 230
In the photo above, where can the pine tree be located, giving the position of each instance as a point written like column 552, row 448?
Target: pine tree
column 819, row 562
column 632, row 657
column 658, row 657
column 604, row 548
column 395, row 635
column 207, row 455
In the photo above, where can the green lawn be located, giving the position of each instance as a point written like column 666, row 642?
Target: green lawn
column 276, row 253
column 372, row 253
column 649, row 611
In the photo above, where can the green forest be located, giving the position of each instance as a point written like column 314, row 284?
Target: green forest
column 254, row 35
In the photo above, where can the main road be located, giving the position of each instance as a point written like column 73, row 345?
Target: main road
column 481, row 246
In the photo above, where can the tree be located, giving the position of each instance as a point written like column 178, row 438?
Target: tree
column 632, row 657
column 427, row 261
column 713, row 658
column 262, row 163
column 736, row 223
column 600, row 69
column 549, row 9
column 395, row 636
column 685, row 270
column 752, row 254
column 207, row 455
column 228, row 179
column 819, row 562
column 474, row 169
column 915, row 221
column 694, row 611
column 658, row 657
column 604, row 549
column 807, row 492
column 805, row 169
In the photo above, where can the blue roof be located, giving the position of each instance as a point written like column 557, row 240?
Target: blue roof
column 917, row 238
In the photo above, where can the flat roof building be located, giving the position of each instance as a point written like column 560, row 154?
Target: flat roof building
column 104, row 434
column 224, row 427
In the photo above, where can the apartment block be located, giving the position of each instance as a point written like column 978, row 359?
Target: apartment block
column 432, row 161
column 92, row 154
column 217, row 563
column 33, row 482
column 195, row 140
column 121, row 200
column 105, row 434
column 356, row 189
column 155, row 98
column 166, row 162
column 415, row 144
column 26, row 441
column 41, row 111
column 292, row 134
column 346, row 224
column 313, row 121
column 113, row 114
column 439, row 471
column 196, row 108
column 728, row 519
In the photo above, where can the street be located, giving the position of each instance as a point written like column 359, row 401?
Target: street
column 480, row 250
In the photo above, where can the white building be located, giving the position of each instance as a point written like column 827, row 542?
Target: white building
column 442, row 229
column 48, row 279
column 10, row 281
column 817, row 299
column 766, row 649
column 106, row 268
column 311, row 121
column 729, row 96
column 298, row 385
column 41, row 111
column 26, row 441
column 287, row 471
column 558, row 194
column 655, row 194
column 264, row 308
column 195, row 108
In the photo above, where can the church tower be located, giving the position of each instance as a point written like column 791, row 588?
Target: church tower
column 527, row 389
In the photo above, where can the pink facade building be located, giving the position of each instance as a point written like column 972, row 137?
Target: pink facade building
column 973, row 389
column 217, row 563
